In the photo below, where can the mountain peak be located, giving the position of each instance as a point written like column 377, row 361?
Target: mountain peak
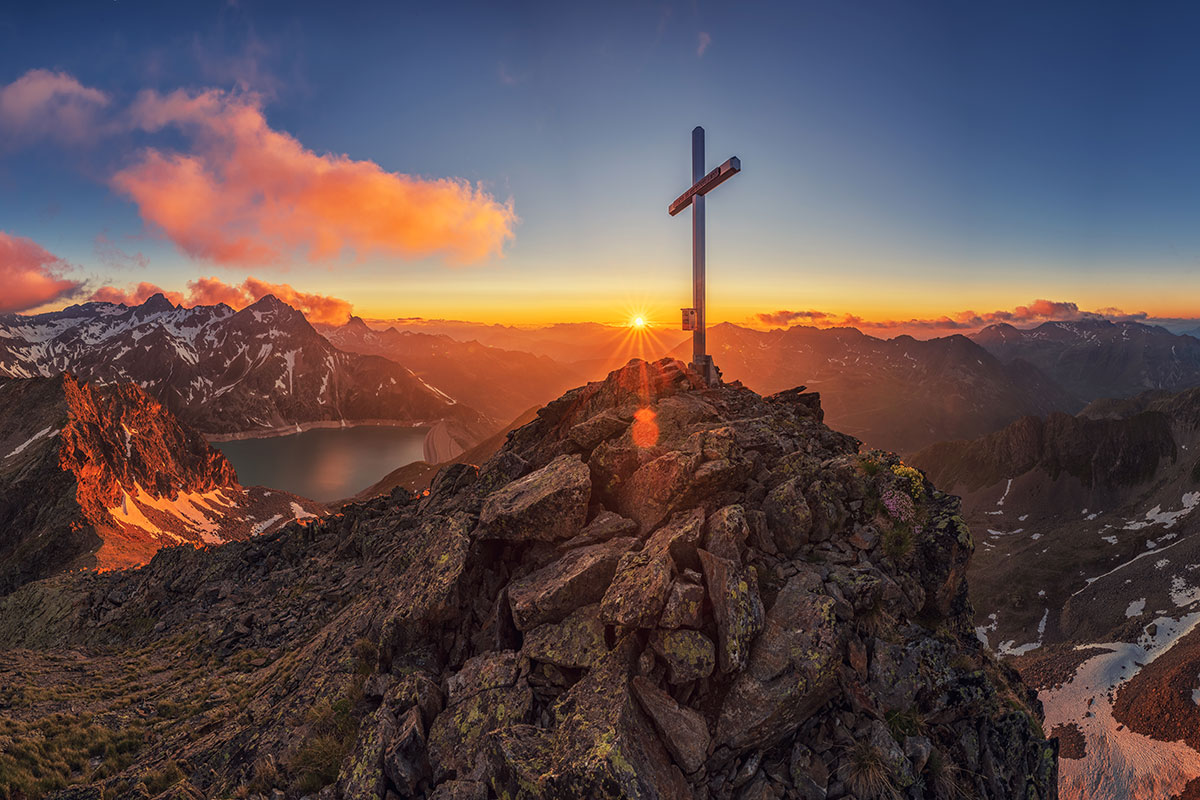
column 155, row 304
column 356, row 324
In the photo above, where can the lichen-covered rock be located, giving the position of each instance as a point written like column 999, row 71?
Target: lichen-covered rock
column 688, row 654
column 577, row 642
column 727, row 533
column 792, row 670
column 788, row 515
column 580, row 577
column 737, row 609
column 460, row 733
column 638, row 592
column 684, row 605
column 546, row 505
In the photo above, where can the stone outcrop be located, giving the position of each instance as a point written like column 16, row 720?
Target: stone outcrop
column 621, row 603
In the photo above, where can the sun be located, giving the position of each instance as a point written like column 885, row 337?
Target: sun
column 637, row 322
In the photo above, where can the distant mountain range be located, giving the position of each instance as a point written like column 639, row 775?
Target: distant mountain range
column 1092, row 359
column 224, row 372
column 105, row 476
column 1087, row 574
column 898, row 394
column 500, row 383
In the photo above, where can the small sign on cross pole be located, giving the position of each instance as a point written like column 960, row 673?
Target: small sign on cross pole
column 702, row 184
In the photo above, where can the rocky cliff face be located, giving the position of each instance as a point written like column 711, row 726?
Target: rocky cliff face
column 653, row 590
column 104, row 477
column 1085, row 581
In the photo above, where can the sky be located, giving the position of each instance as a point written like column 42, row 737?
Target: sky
column 904, row 165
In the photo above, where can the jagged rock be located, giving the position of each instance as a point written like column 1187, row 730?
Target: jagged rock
column 788, row 516
column 657, row 488
column 688, row 654
column 684, row 604
column 737, row 609
column 404, row 759
column 415, row 689
column 895, row 762
column 576, row 642
column 545, row 505
column 580, row 577
column 483, row 672
column 727, row 533
column 362, row 776
column 683, row 731
column 460, row 733
column 603, row 746
column 605, row 526
column 639, row 589
column 460, row 790
column 591, row 432
column 792, row 670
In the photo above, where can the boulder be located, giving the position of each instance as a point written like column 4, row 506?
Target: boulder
column 404, row 761
column 460, row 733
column 684, row 606
column 577, row 642
column 727, row 533
column 485, row 671
column 788, row 516
column 657, row 488
column 688, row 654
column 603, row 746
column 680, row 538
column 639, row 589
column 605, row 526
column 792, row 670
column 683, row 730
column 737, row 609
column 362, row 776
column 579, row 578
column 592, row 431
column 546, row 505
column 460, row 790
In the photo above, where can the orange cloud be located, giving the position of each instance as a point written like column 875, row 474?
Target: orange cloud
column 248, row 194
column 42, row 103
column 29, row 275
column 317, row 308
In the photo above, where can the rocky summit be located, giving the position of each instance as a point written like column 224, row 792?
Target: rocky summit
column 655, row 589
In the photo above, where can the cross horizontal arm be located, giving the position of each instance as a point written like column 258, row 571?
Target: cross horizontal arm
column 706, row 184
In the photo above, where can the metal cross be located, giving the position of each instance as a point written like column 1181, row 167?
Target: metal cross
column 693, row 318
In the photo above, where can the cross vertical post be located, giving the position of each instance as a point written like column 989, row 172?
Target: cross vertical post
column 699, row 356
column 694, row 318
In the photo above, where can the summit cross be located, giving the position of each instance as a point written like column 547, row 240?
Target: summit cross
column 702, row 184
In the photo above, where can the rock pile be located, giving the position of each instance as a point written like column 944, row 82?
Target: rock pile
column 658, row 589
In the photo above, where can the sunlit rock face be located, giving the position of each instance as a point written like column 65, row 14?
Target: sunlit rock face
column 594, row 612
column 104, row 477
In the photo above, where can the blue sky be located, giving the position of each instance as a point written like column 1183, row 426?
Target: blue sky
column 899, row 159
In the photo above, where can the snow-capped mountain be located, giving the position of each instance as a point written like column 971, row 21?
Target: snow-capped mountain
column 899, row 394
column 1098, row 358
column 224, row 371
column 105, row 476
column 500, row 383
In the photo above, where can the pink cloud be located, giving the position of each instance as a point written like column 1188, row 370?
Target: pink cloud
column 1037, row 312
column 248, row 194
column 318, row 308
column 703, row 41
column 30, row 276
column 48, row 104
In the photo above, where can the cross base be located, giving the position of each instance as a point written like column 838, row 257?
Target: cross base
column 707, row 369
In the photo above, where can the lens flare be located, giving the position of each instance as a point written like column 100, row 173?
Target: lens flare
column 638, row 322
column 645, row 428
